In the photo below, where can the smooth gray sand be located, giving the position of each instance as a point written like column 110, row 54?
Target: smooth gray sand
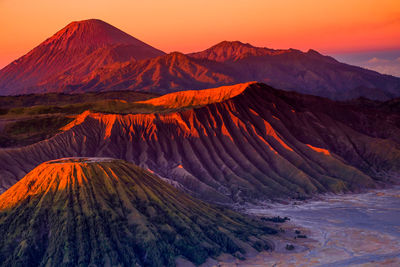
column 342, row 230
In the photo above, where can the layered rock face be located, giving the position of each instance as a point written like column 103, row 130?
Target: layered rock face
column 262, row 143
column 107, row 212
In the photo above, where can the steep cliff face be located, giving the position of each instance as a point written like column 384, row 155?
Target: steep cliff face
column 262, row 143
column 107, row 212
column 71, row 54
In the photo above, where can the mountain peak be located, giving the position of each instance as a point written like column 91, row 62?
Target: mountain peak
column 231, row 51
column 91, row 32
column 227, row 44
column 102, row 211
column 40, row 181
column 70, row 55
column 87, row 22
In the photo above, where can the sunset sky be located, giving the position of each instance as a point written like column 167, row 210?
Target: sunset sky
column 329, row 26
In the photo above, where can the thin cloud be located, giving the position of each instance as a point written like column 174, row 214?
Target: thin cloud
column 385, row 66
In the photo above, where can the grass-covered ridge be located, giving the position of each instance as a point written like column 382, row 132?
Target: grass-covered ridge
column 27, row 119
column 110, row 212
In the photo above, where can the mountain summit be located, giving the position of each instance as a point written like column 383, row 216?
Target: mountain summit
column 70, row 54
column 229, row 63
column 92, row 55
column 92, row 33
column 231, row 51
column 107, row 212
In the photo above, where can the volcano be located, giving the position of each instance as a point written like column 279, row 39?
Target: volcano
column 304, row 72
column 93, row 56
column 107, row 212
column 250, row 143
column 229, row 63
column 71, row 54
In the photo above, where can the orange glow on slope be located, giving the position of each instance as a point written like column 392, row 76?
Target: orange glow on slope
column 319, row 150
column 198, row 97
column 59, row 179
column 186, row 26
column 54, row 176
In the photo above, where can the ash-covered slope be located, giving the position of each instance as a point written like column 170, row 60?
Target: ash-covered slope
column 262, row 143
column 107, row 212
column 71, row 54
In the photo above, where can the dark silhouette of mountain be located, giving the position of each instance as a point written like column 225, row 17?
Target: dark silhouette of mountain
column 107, row 212
column 69, row 55
column 259, row 143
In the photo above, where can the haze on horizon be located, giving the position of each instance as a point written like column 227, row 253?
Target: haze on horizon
column 331, row 27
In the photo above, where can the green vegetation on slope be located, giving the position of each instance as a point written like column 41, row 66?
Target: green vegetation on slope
column 31, row 130
column 32, row 118
column 27, row 119
column 104, row 106
column 61, row 99
column 110, row 212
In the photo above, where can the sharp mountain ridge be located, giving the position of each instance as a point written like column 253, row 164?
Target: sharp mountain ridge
column 260, row 144
column 230, row 63
column 92, row 55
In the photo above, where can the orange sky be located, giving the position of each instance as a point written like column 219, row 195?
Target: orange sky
column 329, row 26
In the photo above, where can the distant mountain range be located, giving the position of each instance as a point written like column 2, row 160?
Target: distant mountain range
column 92, row 55
column 239, row 143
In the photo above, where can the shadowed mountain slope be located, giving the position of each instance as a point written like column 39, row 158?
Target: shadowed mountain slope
column 310, row 72
column 71, row 54
column 164, row 74
column 106, row 212
column 234, row 62
column 262, row 143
